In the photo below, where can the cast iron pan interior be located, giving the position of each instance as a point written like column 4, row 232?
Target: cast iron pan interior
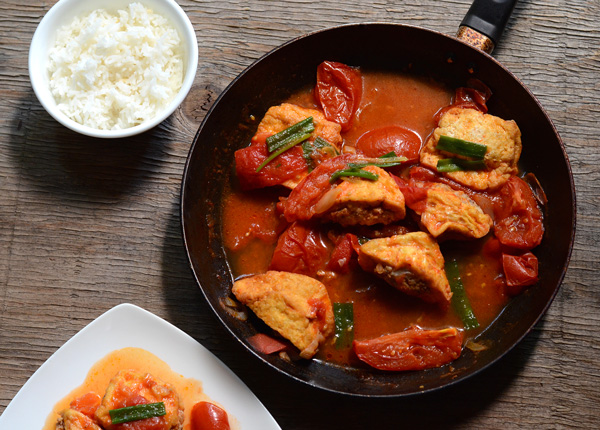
column 228, row 127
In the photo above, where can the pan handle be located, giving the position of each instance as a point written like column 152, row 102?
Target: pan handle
column 484, row 23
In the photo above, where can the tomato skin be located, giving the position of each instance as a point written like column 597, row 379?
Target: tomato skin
column 338, row 91
column 381, row 141
column 411, row 349
column 469, row 98
column 341, row 257
column 208, row 416
column 266, row 344
column 518, row 219
column 299, row 250
column 520, row 271
column 87, row 404
column 284, row 167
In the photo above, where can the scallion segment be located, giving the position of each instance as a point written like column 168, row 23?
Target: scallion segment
column 461, row 147
column 460, row 301
column 344, row 324
column 298, row 138
column 459, row 165
column 291, row 134
column 137, row 412
column 320, row 146
column 356, row 172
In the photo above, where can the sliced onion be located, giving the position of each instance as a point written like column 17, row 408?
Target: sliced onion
column 327, row 201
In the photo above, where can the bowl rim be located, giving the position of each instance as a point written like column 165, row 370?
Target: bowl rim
column 65, row 10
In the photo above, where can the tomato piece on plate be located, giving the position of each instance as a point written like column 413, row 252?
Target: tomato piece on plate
column 299, row 249
column 520, row 271
column 381, row 141
column 286, row 166
column 519, row 220
column 87, row 404
column 208, row 416
column 338, row 91
column 411, row 349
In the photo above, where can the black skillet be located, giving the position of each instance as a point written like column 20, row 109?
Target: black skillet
column 272, row 79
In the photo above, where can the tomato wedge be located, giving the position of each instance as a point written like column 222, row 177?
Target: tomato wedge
column 208, row 416
column 381, row 141
column 266, row 344
column 87, row 404
column 519, row 220
column 411, row 349
column 299, row 249
column 338, row 91
column 341, row 257
column 286, row 166
column 520, row 271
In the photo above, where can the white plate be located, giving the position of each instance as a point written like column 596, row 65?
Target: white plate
column 122, row 326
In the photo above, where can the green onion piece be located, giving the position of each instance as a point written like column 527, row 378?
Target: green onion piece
column 389, row 155
column 318, row 145
column 461, row 147
column 363, row 239
column 344, row 324
column 297, row 139
column 385, row 162
column 460, row 301
column 137, row 412
column 353, row 172
column 459, row 165
column 290, row 134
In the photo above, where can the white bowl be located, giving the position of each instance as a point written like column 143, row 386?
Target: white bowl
column 62, row 13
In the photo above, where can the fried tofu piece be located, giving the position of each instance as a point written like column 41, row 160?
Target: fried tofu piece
column 278, row 118
column 71, row 419
column 366, row 202
column 128, row 388
column 502, row 137
column 296, row 306
column 453, row 211
column 412, row 263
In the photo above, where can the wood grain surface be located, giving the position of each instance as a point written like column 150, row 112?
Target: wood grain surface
column 87, row 224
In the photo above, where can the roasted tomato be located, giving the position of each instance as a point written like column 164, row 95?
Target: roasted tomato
column 299, row 249
column 411, row 349
column 381, row 141
column 208, row 416
column 519, row 220
column 520, row 271
column 286, row 166
column 341, row 257
column 338, row 92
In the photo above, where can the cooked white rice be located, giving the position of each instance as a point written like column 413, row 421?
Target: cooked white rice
column 112, row 71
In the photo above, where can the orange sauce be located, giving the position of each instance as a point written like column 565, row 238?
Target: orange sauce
column 189, row 390
column 388, row 99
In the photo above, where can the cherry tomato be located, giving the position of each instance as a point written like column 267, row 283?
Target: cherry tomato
column 341, row 257
column 338, row 91
column 299, row 250
column 286, row 166
column 519, row 221
column 208, row 416
column 381, row 141
column 87, row 404
column 412, row 349
column 520, row 271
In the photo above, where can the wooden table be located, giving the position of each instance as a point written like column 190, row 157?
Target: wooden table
column 87, row 224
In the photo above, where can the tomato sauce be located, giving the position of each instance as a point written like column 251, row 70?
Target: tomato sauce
column 251, row 225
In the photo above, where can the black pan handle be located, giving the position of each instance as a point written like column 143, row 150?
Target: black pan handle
column 488, row 18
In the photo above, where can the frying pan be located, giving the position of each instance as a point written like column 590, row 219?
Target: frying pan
column 291, row 67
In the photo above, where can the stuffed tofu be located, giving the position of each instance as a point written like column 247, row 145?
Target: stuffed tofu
column 410, row 262
column 502, row 138
column 294, row 305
